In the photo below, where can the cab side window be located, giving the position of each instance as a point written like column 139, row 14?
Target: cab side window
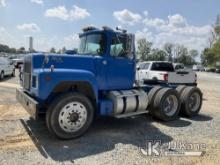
column 118, row 47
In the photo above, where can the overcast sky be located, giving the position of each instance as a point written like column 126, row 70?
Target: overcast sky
column 56, row 23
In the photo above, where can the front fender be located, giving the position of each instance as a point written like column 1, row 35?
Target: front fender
column 49, row 80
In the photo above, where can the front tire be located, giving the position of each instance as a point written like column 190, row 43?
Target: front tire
column 70, row 115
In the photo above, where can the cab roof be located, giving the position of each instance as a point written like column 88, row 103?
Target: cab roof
column 92, row 29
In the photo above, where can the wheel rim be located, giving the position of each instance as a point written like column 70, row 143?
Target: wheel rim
column 170, row 105
column 72, row 117
column 194, row 101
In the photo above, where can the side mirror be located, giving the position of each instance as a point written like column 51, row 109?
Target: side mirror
column 138, row 68
column 130, row 50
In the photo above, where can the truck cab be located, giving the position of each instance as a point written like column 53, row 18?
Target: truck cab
column 70, row 89
column 105, row 60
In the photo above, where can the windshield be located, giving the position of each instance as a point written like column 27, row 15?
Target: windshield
column 179, row 66
column 144, row 66
column 92, row 44
column 162, row 66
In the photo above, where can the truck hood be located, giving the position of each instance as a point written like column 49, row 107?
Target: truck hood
column 63, row 61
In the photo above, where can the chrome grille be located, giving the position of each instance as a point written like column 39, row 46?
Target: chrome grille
column 27, row 80
column 27, row 64
column 27, row 72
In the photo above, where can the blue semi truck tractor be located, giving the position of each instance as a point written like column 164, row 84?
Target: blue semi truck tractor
column 97, row 80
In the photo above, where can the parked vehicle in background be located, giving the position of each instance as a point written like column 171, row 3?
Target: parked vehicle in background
column 164, row 71
column 6, row 68
column 212, row 70
column 198, row 68
column 207, row 69
column 17, row 62
column 217, row 70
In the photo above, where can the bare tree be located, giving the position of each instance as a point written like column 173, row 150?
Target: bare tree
column 217, row 27
column 144, row 48
column 52, row 50
column 214, row 33
column 168, row 48
column 212, row 38
column 177, row 51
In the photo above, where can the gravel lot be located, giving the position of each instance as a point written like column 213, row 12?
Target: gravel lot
column 109, row 141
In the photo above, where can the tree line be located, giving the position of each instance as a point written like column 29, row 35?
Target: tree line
column 170, row 52
column 211, row 55
column 7, row 49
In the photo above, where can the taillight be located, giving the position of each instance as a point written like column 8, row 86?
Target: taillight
column 165, row 77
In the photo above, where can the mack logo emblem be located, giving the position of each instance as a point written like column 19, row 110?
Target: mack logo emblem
column 57, row 59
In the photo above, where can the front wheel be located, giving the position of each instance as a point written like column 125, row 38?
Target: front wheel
column 70, row 116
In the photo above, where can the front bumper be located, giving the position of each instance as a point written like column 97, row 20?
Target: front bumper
column 29, row 104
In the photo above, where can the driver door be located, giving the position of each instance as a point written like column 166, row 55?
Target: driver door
column 121, row 67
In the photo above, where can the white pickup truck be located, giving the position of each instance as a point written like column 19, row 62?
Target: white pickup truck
column 164, row 71
column 6, row 68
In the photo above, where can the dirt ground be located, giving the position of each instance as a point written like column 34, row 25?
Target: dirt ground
column 110, row 141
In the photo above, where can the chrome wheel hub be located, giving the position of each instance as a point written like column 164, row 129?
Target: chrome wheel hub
column 72, row 117
column 170, row 105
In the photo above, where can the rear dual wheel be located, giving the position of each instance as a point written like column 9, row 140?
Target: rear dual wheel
column 152, row 93
column 165, row 104
column 191, row 101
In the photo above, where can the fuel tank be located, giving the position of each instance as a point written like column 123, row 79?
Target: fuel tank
column 127, row 101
